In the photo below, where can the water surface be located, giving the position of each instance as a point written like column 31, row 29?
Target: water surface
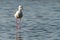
column 41, row 20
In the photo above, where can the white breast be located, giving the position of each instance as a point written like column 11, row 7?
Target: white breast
column 18, row 11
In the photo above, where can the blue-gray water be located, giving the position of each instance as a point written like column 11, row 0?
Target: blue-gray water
column 41, row 20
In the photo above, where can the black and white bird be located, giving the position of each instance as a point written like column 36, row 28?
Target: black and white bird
column 19, row 13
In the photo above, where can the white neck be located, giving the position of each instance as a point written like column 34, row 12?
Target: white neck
column 20, row 9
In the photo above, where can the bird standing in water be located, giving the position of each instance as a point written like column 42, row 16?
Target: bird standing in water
column 18, row 15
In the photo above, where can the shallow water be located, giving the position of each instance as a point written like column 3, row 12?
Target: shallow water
column 41, row 20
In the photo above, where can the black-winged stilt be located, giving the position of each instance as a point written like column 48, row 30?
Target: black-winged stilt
column 18, row 15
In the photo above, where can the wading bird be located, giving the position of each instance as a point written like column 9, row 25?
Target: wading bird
column 19, row 14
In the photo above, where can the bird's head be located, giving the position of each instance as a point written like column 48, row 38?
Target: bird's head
column 20, row 7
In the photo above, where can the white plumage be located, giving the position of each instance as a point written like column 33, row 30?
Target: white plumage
column 19, row 14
